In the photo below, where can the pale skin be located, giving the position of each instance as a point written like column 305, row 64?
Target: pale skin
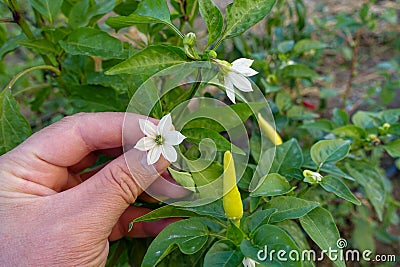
column 52, row 214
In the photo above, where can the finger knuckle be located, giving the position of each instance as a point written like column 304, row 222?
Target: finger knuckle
column 126, row 185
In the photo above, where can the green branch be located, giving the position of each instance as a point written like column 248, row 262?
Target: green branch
column 22, row 73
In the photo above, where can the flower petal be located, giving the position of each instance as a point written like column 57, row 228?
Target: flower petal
column 148, row 128
column 173, row 138
column 242, row 66
column 241, row 82
column 230, row 91
column 153, row 155
column 165, row 125
column 242, row 62
column 169, row 153
column 245, row 71
column 145, row 143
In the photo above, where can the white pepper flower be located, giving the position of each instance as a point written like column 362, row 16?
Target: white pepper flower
column 235, row 75
column 159, row 140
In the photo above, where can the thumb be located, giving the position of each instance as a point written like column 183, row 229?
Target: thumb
column 107, row 194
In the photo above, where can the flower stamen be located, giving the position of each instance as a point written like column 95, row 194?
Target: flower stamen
column 159, row 140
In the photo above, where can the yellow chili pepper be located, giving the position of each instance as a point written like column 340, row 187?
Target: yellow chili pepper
column 269, row 131
column 231, row 200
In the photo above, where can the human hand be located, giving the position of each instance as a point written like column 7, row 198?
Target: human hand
column 51, row 214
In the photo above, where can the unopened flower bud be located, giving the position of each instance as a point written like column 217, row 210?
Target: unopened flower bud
column 211, row 54
column 189, row 39
column 386, row 126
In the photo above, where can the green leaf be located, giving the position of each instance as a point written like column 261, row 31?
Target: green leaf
column 340, row 117
column 150, row 61
column 267, row 238
column 227, row 117
column 206, row 179
column 213, row 19
column 121, row 83
column 78, row 15
column 13, row 126
column 198, row 208
column 197, row 135
column 156, row 9
column 126, row 21
column 223, row 254
column 183, row 178
column 11, row 44
column 394, row 129
column 285, row 46
column 393, row 148
column 364, row 119
column 321, row 125
column 307, row 45
column 257, row 219
column 234, row 233
column 204, row 207
column 297, row 234
column 300, row 113
column 287, row 156
column 41, row 46
column 148, row 11
column 283, row 101
column 290, row 207
column 362, row 236
column 272, row 184
column 298, row 71
column 168, row 211
column 90, row 98
column 92, row 42
column 326, row 151
column 85, row 12
column 320, row 226
column 48, row 8
column 188, row 235
column 350, row 131
column 242, row 14
column 372, row 181
column 335, row 185
column 126, row 7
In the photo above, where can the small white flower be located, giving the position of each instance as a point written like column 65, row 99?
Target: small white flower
column 159, row 139
column 312, row 177
column 288, row 63
column 247, row 262
column 235, row 75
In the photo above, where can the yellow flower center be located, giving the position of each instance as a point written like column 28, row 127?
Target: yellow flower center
column 159, row 140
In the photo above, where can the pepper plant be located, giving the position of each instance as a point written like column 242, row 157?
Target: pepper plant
column 250, row 184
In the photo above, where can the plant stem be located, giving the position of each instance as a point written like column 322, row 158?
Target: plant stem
column 352, row 68
column 218, row 236
column 22, row 73
column 176, row 30
column 20, row 20
column 217, row 44
column 34, row 87
column 6, row 20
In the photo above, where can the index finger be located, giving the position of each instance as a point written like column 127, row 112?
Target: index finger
column 66, row 142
